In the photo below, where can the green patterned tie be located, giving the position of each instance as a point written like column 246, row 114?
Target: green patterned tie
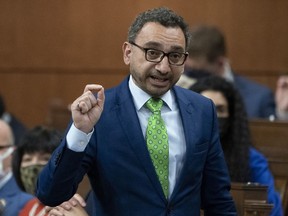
column 157, row 142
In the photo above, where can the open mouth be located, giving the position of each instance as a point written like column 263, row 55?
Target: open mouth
column 159, row 81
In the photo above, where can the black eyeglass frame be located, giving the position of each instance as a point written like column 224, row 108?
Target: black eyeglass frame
column 162, row 56
column 5, row 146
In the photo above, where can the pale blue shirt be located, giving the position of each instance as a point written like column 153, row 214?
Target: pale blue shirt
column 77, row 140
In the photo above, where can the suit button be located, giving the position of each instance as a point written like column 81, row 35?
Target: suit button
column 168, row 211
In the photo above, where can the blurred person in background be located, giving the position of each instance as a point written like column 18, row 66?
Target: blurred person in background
column 31, row 155
column 11, row 196
column 282, row 97
column 208, row 52
column 245, row 163
column 18, row 128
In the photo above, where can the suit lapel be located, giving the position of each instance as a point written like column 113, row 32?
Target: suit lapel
column 188, row 117
column 131, row 126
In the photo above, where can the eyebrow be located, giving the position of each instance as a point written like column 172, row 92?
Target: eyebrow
column 156, row 45
column 221, row 106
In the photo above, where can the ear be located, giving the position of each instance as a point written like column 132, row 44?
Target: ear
column 126, row 48
column 189, row 62
column 220, row 65
column 221, row 60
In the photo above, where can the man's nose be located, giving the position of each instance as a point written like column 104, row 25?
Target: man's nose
column 163, row 66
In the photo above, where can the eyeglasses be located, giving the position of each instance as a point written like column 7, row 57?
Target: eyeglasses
column 156, row 56
column 5, row 146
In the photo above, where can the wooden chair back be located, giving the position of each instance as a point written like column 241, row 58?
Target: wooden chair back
column 271, row 138
column 250, row 199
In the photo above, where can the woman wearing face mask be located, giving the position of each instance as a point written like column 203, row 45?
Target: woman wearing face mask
column 29, row 158
column 245, row 163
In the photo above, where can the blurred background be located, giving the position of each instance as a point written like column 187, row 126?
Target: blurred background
column 49, row 50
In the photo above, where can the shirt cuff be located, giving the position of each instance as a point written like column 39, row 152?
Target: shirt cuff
column 77, row 140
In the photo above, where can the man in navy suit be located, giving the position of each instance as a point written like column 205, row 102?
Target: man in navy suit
column 107, row 137
column 11, row 196
column 207, row 52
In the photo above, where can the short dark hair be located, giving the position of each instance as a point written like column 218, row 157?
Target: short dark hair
column 39, row 139
column 207, row 41
column 162, row 15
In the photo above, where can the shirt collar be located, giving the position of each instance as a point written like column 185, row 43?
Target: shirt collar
column 140, row 97
column 228, row 75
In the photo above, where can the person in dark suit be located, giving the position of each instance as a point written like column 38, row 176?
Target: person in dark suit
column 207, row 52
column 10, row 194
column 107, row 137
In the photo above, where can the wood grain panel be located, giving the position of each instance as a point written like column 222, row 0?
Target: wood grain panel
column 28, row 95
column 50, row 48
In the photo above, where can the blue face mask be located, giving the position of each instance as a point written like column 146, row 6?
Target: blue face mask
column 223, row 125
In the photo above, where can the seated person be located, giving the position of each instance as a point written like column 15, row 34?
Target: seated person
column 11, row 196
column 245, row 163
column 18, row 128
column 282, row 97
column 208, row 52
column 31, row 155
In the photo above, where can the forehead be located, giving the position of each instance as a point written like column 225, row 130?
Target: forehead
column 36, row 154
column 216, row 96
column 165, row 36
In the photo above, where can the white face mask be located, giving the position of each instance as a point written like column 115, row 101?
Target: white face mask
column 2, row 158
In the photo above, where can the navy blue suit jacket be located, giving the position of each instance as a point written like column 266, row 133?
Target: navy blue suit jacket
column 122, row 174
column 14, row 197
column 258, row 99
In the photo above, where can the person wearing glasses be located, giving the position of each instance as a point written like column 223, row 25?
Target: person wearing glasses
column 12, row 197
column 132, row 169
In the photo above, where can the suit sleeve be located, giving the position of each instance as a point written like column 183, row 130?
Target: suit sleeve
column 59, row 179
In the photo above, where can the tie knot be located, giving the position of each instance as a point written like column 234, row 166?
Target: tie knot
column 154, row 104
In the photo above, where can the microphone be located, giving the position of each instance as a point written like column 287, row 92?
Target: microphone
column 2, row 206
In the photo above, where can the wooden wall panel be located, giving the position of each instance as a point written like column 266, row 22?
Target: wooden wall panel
column 90, row 33
column 28, row 95
column 52, row 48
